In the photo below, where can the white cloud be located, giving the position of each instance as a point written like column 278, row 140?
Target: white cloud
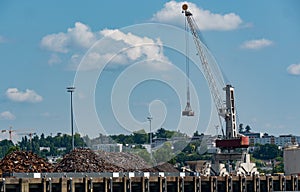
column 28, row 96
column 257, row 44
column 6, row 115
column 80, row 36
column 294, row 69
column 56, row 42
column 134, row 48
column 205, row 19
column 54, row 59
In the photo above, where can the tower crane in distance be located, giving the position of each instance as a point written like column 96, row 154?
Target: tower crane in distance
column 231, row 140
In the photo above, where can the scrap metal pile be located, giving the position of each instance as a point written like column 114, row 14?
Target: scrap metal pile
column 78, row 160
column 24, row 162
column 85, row 160
column 129, row 162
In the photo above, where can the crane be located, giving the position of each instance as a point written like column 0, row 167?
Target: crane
column 226, row 110
column 10, row 131
column 29, row 134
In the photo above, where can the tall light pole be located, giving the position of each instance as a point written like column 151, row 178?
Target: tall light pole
column 71, row 90
column 150, row 119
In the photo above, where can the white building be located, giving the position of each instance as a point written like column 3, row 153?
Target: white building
column 117, row 147
column 282, row 140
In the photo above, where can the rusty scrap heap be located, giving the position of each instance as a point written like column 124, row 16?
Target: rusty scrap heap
column 84, row 160
column 24, row 162
column 79, row 160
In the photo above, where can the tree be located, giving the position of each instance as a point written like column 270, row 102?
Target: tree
column 164, row 153
column 241, row 128
column 267, row 151
column 196, row 133
column 247, row 128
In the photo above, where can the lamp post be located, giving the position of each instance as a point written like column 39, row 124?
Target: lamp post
column 150, row 119
column 71, row 90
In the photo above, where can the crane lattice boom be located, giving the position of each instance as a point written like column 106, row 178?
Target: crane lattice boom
column 206, row 69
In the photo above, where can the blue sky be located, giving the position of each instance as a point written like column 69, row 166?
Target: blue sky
column 47, row 46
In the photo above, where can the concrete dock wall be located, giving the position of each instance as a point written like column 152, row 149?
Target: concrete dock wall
column 151, row 184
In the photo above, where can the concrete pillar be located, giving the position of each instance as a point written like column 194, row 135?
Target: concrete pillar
column 70, row 185
column 2, row 185
column 282, row 183
column 242, row 183
column 270, row 184
column 256, row 183
column 228, row 183
column 48, row 185
column 197, row 184
column 24, row 185
column 213, row 184
column 90, row 185
column 145, row 184
column 294, row 179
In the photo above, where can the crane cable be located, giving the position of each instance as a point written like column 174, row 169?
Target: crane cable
column 187, row 67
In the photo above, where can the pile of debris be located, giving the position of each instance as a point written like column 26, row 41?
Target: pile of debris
column 80, row 160
column 128, row 161
column 166, row 167
column 85, row 160
column 24, row 162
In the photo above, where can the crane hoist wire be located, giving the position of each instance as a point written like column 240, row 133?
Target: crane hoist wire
column 188, row 109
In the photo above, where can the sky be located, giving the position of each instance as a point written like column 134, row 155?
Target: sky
column 127, row 62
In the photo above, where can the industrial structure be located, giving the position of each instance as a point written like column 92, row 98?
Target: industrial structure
column 291, row 158
column 232, row 143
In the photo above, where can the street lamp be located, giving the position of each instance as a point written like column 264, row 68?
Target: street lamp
column 150, row 119
column 71, row 90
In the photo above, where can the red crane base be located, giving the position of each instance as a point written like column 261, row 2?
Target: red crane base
column 239, row 142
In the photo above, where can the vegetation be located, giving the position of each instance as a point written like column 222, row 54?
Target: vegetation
column 267, row 151
column 268, row 157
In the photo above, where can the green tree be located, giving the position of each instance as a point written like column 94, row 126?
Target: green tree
column 164, row 153
column 12, row 149
column 5, row 145
column 241, row 128
column 247, row 129
column 267, row 151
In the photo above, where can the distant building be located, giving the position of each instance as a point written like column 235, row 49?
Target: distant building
column 61, row 149
column 45, row 149
column 282, row 140
column 252, row 136
column 117, row 147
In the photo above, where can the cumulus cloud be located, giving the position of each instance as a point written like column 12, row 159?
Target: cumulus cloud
column 56, row 42
column 6, row 115
column 206, row 20
column 27, row 96
column 294, row 69
column 54, row 59
column 80, row 36
column 133, row 48
column 257, row 44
